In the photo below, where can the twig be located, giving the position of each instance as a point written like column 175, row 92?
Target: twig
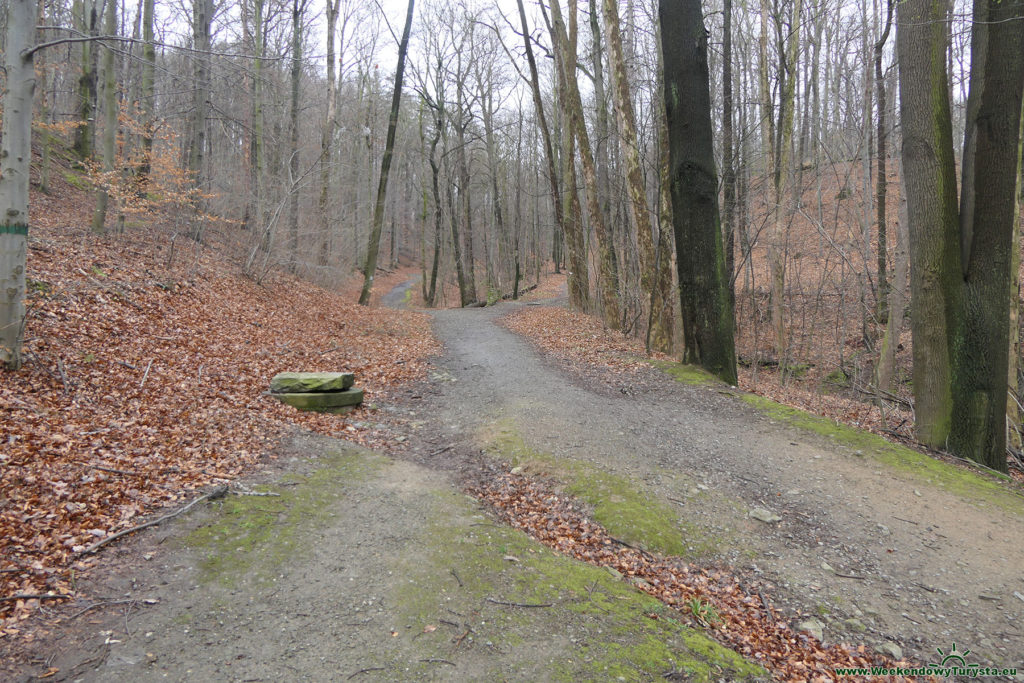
column 218, row 492
column 908, row 521
column 101, row 603
column 851, row 576
column 115, row 471
column 767, row 607
column 127, row 365
column 244, row 492
column 439, row 451
column 518, row 604
column 365, row 671
column 456, row 577
column 63, row 376
column 632, row 547
column 435, row 660
column 34, row 596
column 146, row 373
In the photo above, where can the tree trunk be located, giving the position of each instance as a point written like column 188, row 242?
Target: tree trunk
column 110, row 112
column 202, row 15
column 929, row 174
column 729, row 170
column 327, row 138
column 86, row 16
column 882, row 180
column 15, row 158
column 566, row 45
column 385, row 166
column 148, row 94
column 706, row 307
column 659, row 325
column 988, row 205
column 298, row 12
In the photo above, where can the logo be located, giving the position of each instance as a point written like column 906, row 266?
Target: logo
column 954, row 658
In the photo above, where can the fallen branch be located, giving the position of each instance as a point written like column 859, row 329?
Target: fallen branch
column 456, row 577
column 113, row 470
column 146, row 373
column 518, row 604
column 34, row 596
column 365, row 671
column 218, row 492
column 851, row 576
column 434, row 660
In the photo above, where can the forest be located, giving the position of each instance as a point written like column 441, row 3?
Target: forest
column 812, row 193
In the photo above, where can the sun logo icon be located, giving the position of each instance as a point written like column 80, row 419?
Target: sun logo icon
column 954, row 658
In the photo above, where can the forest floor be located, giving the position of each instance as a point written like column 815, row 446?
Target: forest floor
column 377, row 566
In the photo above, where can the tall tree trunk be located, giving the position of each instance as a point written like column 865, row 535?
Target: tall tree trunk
column 148, row 94
column 706, row 306
column 110, row 112
column 929, row 174
column 659, row 325
column 327, row 138
column 882, row 180
column 385, row 166
column 15, row 158
column 298, row 12
column 87, row 17
column 602, row 130
column 434, row 172
column 782, row 163
column 566, row 45
column 729, row 170
column 579, row 295
column 202, row 16
column 988, row 204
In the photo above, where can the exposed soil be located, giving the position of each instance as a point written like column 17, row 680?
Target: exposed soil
column 377, row 568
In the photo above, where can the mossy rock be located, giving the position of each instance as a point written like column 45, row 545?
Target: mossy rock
column 323, row 402
column 311, row 382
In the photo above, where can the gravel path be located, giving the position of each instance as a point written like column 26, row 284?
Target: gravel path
column 377, row 568
column 875, row 553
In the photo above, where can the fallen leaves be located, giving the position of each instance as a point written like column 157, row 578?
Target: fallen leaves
column 145, row 367
column 738, row 615
column 578, row 338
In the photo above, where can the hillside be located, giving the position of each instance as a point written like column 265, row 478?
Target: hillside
column 147, row 356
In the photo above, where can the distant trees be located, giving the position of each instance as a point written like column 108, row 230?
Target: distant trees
column 527, row 143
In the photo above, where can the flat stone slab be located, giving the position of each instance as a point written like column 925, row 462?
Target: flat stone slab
column 322, row 402
column 310, row 382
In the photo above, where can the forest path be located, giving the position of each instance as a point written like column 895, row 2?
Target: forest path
column 400, row 295
column 877, row 548
column 368, row 567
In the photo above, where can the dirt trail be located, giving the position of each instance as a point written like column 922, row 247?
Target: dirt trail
column 377, row 568
column 875, row 552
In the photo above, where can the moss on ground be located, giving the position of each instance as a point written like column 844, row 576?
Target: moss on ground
column 628, row 512
column 594, row 625
column 687, row 374
column 259, row 534
column 960, row 481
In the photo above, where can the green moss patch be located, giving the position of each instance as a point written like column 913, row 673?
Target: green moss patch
column 957, row 480
column 687, row 374
column 628, row 512
column 592, row 625
column 258, row 534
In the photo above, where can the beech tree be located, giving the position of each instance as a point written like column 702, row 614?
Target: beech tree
column 703, row 282
column 961, row 255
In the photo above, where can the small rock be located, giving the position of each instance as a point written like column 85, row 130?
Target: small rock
column 516, row 470
column 890, row 648
column 827, row 567
column 884, row 530
column 814, row 627
column 151, row 658
column 510, row 558
column 855, row 625
column 765, row 515
column 400, row 439
column 614, row 572
column 702, row 487
column 793, row 492
column 917, row 493
column 1018, row 595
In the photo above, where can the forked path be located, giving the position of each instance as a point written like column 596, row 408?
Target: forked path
column 375, row 567
column 875, row 547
